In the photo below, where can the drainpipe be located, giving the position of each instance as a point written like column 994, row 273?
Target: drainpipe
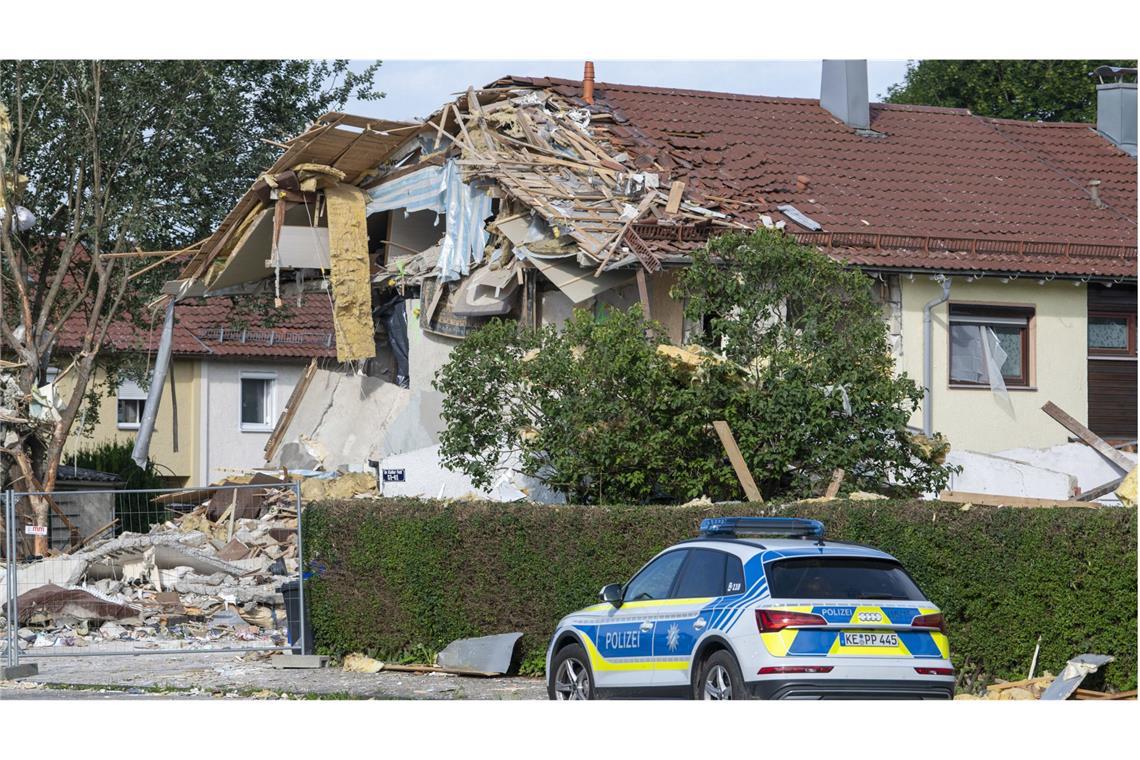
column 928, row 357
column 154, row 393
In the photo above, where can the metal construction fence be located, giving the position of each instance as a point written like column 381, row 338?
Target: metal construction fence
column 156, row 571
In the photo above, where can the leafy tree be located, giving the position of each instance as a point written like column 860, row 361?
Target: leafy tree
column 118, row 156
column 1026, row 90
column 809, row 384
column 601, row 412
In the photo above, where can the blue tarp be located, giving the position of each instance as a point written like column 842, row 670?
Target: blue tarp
column 440, row 189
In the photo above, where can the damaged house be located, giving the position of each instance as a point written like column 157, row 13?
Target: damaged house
column 230, row 374
column 1003, row 252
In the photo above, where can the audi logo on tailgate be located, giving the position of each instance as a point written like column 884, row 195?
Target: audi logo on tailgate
column 870, row 617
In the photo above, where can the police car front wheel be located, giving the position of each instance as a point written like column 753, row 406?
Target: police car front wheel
column 720, row 678
column 572, row 677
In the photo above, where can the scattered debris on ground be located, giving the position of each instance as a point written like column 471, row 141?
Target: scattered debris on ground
column 210, row 575
column 1050, row 687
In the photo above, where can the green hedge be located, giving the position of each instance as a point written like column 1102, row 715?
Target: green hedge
column 398, row 577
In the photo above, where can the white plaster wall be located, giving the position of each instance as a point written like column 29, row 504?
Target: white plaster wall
column 975, row 419
column 227, row 449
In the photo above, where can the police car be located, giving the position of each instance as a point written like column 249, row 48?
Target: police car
column 756, row 607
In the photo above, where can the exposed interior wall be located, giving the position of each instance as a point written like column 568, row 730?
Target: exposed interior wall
column 556, row 308
column 418, row 424
column 181, row 465
column 975, row 419
column 417, row 231
column 228, row 449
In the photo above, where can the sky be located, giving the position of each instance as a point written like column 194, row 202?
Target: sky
column 415, row 89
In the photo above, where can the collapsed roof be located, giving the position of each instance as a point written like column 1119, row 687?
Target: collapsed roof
column 527, row 170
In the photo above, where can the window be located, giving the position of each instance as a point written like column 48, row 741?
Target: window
column 708, row 572
column 989, row 345
column 257, row 401
column 703, row 575
column 1112, row 334
column 841, row 578
column 131, row 401
column 655, row 579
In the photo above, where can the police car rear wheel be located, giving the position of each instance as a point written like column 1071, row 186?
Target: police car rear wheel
column 572, row 677
column 720, row 678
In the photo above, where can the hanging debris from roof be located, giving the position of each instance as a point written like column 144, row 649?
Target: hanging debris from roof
column 351, row 287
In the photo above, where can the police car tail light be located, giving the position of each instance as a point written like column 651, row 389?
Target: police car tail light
column 771, row 670
column 934, row 671
column 935, row 621
column 770, row 621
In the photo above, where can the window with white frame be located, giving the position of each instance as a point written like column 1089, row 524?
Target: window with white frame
column 131, row 400
column 989, row 345
column 257, row 400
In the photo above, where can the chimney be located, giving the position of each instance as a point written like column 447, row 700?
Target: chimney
column 843, row 92
column 588, row 83
column 1116, row 106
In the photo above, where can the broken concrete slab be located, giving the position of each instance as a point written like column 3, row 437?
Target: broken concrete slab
column 1076, row 459
column 162, row 551
column 58, row 571
column 485, row 654
column 340, row 421
column 992, row 474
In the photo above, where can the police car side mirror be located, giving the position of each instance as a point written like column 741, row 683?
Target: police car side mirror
column 612, row 594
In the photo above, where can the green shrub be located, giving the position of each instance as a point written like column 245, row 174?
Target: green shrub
column 593, row 408
column 136, row 511
column 398, row 574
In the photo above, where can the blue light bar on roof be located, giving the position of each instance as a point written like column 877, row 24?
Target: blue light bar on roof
column 788, row 527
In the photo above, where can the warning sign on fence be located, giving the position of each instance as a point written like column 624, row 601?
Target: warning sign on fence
column 35, row 530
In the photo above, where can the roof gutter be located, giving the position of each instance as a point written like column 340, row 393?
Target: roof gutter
column 928, row 357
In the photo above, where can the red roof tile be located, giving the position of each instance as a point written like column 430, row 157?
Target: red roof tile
column 214, row 327
column 928, row 172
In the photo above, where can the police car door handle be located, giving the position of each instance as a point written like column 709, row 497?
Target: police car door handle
column 647, row 626
column 699, row 624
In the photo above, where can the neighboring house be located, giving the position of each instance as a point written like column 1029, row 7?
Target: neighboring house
column 230, row 384
column 1017, row 239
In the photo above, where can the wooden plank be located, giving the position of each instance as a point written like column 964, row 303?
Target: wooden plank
column 643, row 293
column 1019, row 684
column 1071, row 424
column 290, row 410
column 836, row 481
column 996, row 500
column 674, row 203
column 743, row 475
column 1101, row 490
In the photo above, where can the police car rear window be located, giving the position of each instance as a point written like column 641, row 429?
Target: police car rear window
column 840, row 578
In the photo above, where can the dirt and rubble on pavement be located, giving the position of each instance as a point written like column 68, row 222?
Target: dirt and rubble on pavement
column 252, row 675
column 206, row 578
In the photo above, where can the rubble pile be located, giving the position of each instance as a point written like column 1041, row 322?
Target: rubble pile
column 210, row 577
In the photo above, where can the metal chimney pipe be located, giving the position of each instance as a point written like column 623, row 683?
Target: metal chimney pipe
column 588, row 83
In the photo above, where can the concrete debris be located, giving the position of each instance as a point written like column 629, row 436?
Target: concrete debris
column 189, row 579
column 485, row 654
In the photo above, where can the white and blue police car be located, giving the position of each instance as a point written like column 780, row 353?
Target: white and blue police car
column 756, row 608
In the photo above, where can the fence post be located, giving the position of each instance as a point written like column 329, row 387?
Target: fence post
column 10, row 577
column 302, row 613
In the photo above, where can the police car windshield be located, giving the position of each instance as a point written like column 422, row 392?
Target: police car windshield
column 840, row 578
